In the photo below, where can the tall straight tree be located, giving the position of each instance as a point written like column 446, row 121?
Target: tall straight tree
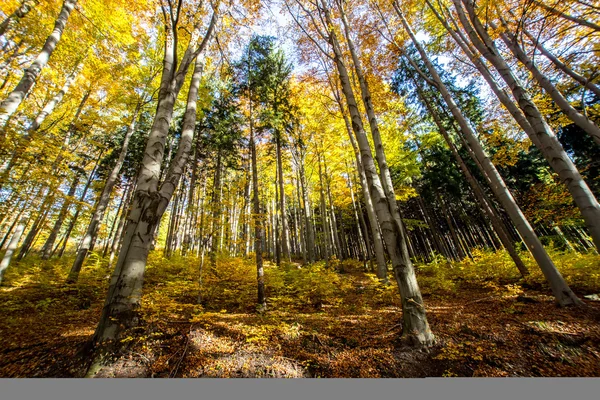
column 30, row 75
column 416, row 329
column 152, row 196
column 87, row 242
column 543, row 136
column 263, row 75
column 563, row 294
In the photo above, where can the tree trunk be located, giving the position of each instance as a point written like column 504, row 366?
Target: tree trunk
column 382, row 271
column 12, row 247
column 49, row 245
column 10, row 105
column 20, row 12
column 484, row 203
column 149, row 204
column 89, row 238
column 384, row 171
column 415, row 326
column 310, row 232
column 285, row 235
column 23, row 142
column 118, row 237
column 544, row 138
column 339, row 248
column 323, row 213
column 78, row 208
column 560, row 289
column 216, row 211
column 258, row 226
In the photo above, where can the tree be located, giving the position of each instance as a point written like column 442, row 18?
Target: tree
column 152, row 197
column 10, row 104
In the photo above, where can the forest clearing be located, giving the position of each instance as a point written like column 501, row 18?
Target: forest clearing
column 299, row 188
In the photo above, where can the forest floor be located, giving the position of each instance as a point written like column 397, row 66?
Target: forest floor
column 321, row 322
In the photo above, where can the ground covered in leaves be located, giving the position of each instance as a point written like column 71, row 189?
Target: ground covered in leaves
column 322, row 321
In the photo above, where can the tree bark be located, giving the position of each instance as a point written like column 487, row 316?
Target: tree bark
column 285, row 235
column 416, row 329
column 258, row 226
column 49, row 245
column 544, row 138
column 488, row 209
column 382, row 271
column 560, row 289
column 89, row 238
column 20, row 12
column 150, row 201
column 10, row 105
column 310, row 233
column 12, row 247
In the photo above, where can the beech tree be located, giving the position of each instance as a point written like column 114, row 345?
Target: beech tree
column 152, row 196
column 30, row 75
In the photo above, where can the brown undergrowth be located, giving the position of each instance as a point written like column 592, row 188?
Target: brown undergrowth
column 322, row 321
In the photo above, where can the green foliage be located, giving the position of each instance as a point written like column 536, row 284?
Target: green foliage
column 315, row 285
column 580, row 270
column 231, row 285
column 497, row 268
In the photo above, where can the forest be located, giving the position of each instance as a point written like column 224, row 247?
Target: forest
column 299, row 188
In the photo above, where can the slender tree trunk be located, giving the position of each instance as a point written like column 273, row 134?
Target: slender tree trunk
column 45, row 206
column 339, row 248
column 386, row 177
column 12, row 247
column 360, row 222
column 191, row 206
column 310, row 232
column 118, row 237
column 432, row 227
column 114, row 224
column 258, row 225
column 323, row 213
column 12, row 226
column 23, row 142
column 10, row 105
column 544, row 138
column 484, row 203
column 49, row 245
column 415, row 326
column 216, row 211
column 285, row 235
column 457, row 245
column 564, row 239
column 561, row 290
column 149, row 202
column 382, row 272
column 89, row 238
column 78, row 208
